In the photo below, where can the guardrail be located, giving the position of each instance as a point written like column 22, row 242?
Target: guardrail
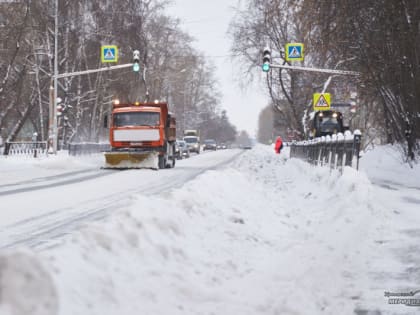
column 336, row 151
column 84, row 148
column 29, row 148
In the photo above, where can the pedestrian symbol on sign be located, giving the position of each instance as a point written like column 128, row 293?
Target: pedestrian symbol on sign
column 294, row 53
column 109, row 53
column 322, row 102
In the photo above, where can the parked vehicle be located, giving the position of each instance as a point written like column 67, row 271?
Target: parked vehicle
column 181, row 150
column 210, row 144
column 140, row 132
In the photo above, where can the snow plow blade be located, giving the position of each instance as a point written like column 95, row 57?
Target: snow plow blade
column 127, row 160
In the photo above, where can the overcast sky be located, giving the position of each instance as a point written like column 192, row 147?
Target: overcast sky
column 207, row 21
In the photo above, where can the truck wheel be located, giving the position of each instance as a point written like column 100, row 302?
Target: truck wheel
column 162, row 161
column 170, row 161
column 173, row 156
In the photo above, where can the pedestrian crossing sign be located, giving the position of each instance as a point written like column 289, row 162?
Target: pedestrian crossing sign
column 322, row 101
column 294, row 52
column 109, row 53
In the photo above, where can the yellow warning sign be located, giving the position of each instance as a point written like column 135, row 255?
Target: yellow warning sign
column 322, row 101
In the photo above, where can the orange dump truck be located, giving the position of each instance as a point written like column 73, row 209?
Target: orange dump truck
column 142, row 135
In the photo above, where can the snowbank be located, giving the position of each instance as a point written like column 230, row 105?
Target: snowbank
column 26, row 285
column 385, row 164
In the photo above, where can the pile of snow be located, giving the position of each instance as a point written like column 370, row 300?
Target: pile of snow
column 385, row 164
column 265, row 235
column 26, row 285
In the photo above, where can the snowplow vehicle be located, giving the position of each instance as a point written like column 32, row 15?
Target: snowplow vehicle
column 141, row 135
column 327, row 122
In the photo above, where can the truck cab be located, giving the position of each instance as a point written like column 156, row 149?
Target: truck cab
column 327, row 123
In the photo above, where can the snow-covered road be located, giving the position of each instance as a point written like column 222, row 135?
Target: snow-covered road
column 52, row 198
column 228, row 232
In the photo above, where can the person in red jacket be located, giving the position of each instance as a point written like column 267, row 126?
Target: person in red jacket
column 279, row 145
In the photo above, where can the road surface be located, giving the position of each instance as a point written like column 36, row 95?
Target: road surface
column 37, row 212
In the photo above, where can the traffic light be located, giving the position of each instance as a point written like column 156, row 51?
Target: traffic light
column 136, row 61
column 266, row 59
column 59, row 106
column 59, row 110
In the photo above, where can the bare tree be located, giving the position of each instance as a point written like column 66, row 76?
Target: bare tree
column 173, row 69
column 380, row 39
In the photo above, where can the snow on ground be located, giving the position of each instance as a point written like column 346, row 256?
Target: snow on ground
column 20, row 168
column 384, row 164
column 264, row 235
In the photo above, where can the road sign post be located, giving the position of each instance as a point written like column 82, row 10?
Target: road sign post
column 108, row 54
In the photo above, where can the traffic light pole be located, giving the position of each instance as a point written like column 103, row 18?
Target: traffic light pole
column 53, row 127
column 71, row 74
column 53, row 119
column 331, row 71
column 267, row 65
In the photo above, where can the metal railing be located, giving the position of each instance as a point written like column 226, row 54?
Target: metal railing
column 29, row 148
column 336, row 151
column 84, row 148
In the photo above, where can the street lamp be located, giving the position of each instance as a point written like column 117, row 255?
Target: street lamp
column 53, row 128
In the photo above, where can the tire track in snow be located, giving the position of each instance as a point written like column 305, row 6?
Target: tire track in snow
column 50, row 181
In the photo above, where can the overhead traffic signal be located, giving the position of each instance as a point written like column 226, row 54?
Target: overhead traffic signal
column 136, row 61
column 266, row 59
column 60, row 109
column 59, row 106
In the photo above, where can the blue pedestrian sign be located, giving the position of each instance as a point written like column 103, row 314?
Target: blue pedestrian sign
column 294, row 52
column 109, row 53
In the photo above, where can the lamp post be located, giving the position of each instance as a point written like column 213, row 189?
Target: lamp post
column 52, row 127
column 55, row 128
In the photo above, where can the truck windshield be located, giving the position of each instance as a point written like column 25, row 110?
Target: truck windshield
column 190, row 139
column 136, row 119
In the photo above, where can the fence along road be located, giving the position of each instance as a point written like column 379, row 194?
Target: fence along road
column 29, row 148
column 335, row 151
